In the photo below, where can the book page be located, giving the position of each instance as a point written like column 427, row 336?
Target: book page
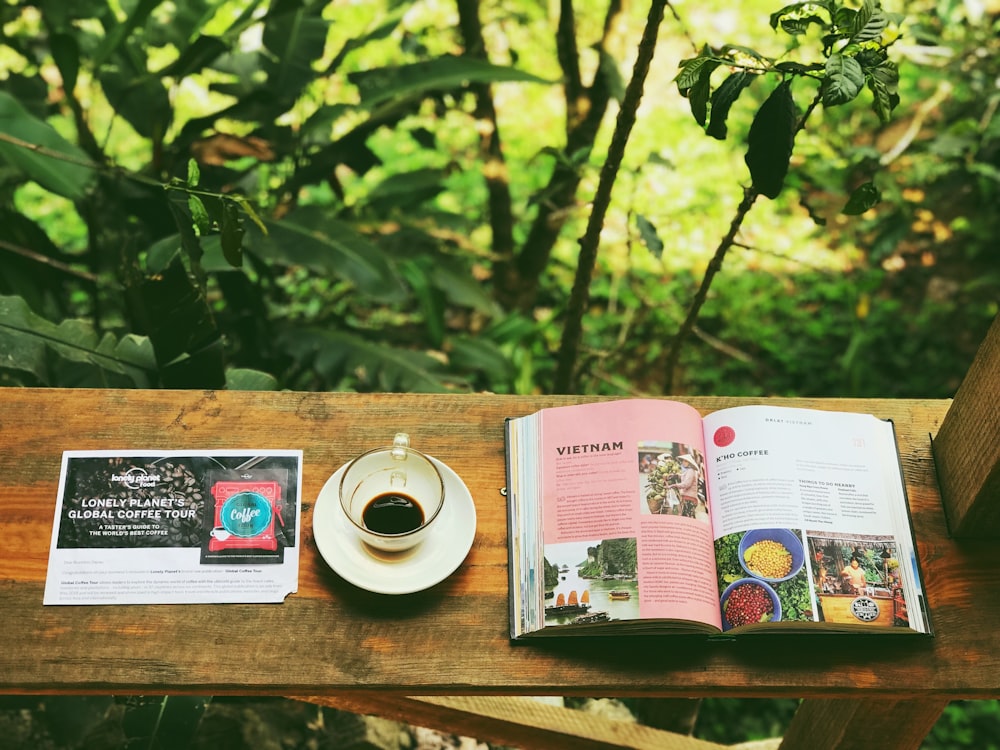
column 811, row 503
column 175, row 527
column 626, row 528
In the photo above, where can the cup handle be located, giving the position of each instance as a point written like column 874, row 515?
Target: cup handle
column 399, row 445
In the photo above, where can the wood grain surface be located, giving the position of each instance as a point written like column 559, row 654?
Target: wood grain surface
column 332, row 638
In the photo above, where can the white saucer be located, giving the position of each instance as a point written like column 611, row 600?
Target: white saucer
column 421, row 567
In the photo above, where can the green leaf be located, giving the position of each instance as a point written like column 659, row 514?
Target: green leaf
column 462, row 289
column 35, row 148
column 160, row 254
column 28, row 341
column 172, row 310
column 884, row 85
column 790, row 66
column 199, row 215
column 797, row 13
column 698, row 99
column 296, row 39
column 770, row 141
column 608, row 70
column 337, row 355
column 800, row 26
column 844, row 20
column 863, row 198
column 480, row 354
column 240, row 379
column 309, row 237
column 868, row 23
column 202, row 368
column 66, row 54
column 198, row 55
column 722, row 100
column 232, row 234
column 650, row 237
column 405, row 190
column 251, row 212
column 140, row 98
column 194, row 174
column 182, row 23
column 430, row 298
column 439, row 74
column 844, row 80
column 117, row 36
column 691, row 70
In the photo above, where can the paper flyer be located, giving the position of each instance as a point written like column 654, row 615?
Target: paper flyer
column 154, row 527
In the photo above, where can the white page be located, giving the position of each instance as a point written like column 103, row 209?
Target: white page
column 174, row 527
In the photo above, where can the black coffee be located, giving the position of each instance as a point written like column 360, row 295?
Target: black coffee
column 392, row 513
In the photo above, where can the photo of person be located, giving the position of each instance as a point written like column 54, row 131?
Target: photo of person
column 855, row 576
column 857, row 579
column 672, row 480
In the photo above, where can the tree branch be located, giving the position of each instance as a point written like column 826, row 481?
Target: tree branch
column 580, row 295
column 490, row 147
column 750, row 195
column 585, row 110
column 715, row 265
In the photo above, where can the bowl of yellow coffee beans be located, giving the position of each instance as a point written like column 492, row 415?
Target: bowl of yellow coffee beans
column 771, row 555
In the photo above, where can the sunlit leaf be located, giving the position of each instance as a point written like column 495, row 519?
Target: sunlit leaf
column 199, row 215
column 34, row 147
column 194, row 174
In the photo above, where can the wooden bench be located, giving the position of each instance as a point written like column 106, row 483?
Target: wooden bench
column 442, row 657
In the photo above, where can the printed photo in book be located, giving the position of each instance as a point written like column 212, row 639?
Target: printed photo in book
column 640, row 516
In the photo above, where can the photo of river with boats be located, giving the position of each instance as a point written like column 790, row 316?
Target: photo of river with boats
column 592, row 581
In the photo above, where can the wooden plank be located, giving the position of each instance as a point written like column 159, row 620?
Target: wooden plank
column 967, row 448
column 332, row 638
column 519, row 721
column 862, row 724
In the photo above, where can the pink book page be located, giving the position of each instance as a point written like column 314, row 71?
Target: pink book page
column 624, row 512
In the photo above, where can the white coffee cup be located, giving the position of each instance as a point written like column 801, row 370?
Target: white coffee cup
column 392, row 495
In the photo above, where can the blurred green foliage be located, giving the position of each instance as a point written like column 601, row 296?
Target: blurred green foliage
column 388, row 197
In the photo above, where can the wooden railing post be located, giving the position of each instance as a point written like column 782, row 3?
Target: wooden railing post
column 967, row 447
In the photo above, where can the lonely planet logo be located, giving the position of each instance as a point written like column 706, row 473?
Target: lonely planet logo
column 136, row 478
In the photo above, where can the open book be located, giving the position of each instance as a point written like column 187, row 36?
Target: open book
column 640, row 516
